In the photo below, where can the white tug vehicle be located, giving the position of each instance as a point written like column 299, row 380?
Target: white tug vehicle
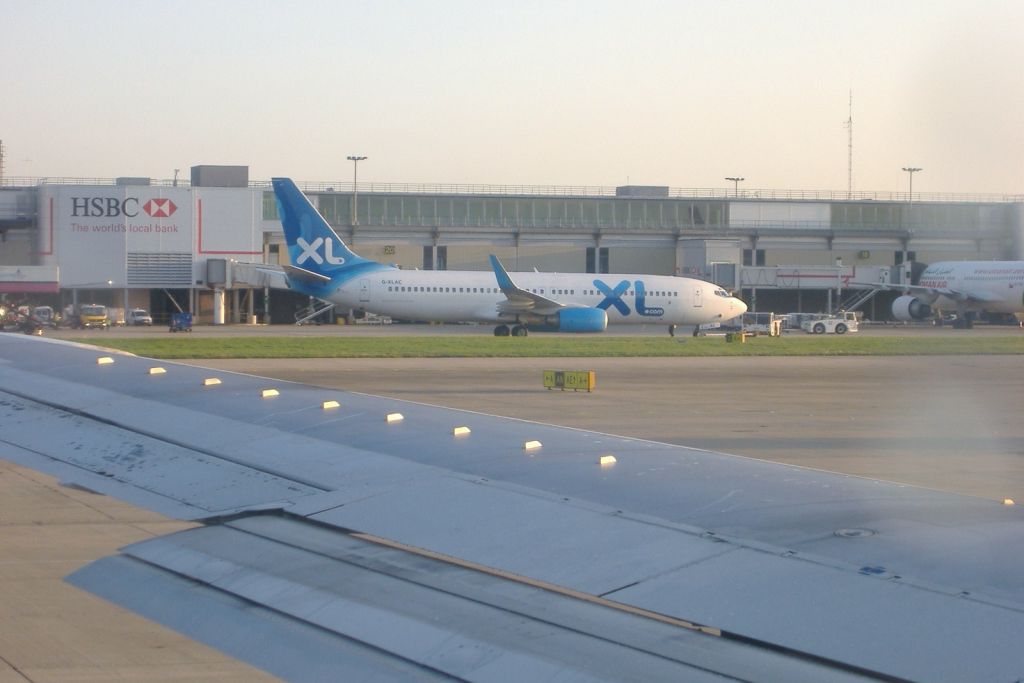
column 841, row 323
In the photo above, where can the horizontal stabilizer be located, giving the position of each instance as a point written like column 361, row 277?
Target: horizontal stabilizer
column 305, row 275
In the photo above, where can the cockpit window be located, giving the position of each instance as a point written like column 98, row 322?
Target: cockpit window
column 721, row 292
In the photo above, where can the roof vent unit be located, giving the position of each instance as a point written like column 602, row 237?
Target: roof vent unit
column 220, row 176
column 656, row 191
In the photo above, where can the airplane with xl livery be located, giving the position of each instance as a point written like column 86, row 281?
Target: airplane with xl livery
column 967, row 287
column 322, row 266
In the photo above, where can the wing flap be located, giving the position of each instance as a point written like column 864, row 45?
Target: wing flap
column 374, row 606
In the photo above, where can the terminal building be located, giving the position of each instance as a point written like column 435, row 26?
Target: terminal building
column 198, row 246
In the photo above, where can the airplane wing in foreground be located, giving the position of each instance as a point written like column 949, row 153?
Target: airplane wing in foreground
column 337, row 543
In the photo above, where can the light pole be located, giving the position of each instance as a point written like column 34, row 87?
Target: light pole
column 911, row 170
column 355, row 192
column 736, row 184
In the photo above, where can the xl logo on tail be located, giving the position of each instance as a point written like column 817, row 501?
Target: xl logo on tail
column 311, row 251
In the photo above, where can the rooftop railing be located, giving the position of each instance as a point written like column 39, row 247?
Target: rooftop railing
column 582, row 191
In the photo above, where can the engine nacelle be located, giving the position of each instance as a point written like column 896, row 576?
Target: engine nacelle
column 907, row 308
column 582, row 320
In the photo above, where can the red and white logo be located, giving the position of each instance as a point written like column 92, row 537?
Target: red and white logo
column 160, row 208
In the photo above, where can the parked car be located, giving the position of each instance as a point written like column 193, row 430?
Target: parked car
column 139, row 316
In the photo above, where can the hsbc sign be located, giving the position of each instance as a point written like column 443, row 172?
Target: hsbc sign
column 112, row 207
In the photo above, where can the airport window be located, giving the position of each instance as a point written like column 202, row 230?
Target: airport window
column 911, row 256
column 393, row 210
column 269, row 206
column 475, row 210
column 492, row 211
column 376, row 208
column 753, row 257
column 715, row 214
column 621, row 218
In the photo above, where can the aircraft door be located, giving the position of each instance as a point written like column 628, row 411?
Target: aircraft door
column 364, row 291
column 698, row 297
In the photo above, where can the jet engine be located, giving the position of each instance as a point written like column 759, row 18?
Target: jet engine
column 907, row 308
column 582, row 320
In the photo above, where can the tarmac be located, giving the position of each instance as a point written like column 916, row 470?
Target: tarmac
column 946, row 422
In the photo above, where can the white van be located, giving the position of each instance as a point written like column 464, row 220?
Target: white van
column 139, row 316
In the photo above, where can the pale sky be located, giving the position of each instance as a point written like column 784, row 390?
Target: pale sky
column 533, row 93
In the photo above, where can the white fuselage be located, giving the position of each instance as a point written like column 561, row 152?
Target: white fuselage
column 465, row 296
column 999, row 284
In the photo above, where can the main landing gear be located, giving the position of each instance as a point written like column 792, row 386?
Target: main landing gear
column 515, row 331
column 671, row 330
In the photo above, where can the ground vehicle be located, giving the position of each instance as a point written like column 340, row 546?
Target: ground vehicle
column 754, row 324
column 21, row 319
column 139, row 316
column 181, row 322
column 840, row 324
column 92, row 315
column 45, row 315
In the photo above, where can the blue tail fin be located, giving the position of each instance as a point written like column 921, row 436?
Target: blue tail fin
column 313, row 246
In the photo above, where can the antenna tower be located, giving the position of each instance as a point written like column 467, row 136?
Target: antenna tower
column 849, row 156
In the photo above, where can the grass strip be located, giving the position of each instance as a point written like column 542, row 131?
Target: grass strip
column 539, row 346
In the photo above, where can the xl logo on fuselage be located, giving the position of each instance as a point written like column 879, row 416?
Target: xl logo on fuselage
column 311, row 251
column 613, row 297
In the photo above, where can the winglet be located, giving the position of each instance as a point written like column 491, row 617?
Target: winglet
column 504, row 281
